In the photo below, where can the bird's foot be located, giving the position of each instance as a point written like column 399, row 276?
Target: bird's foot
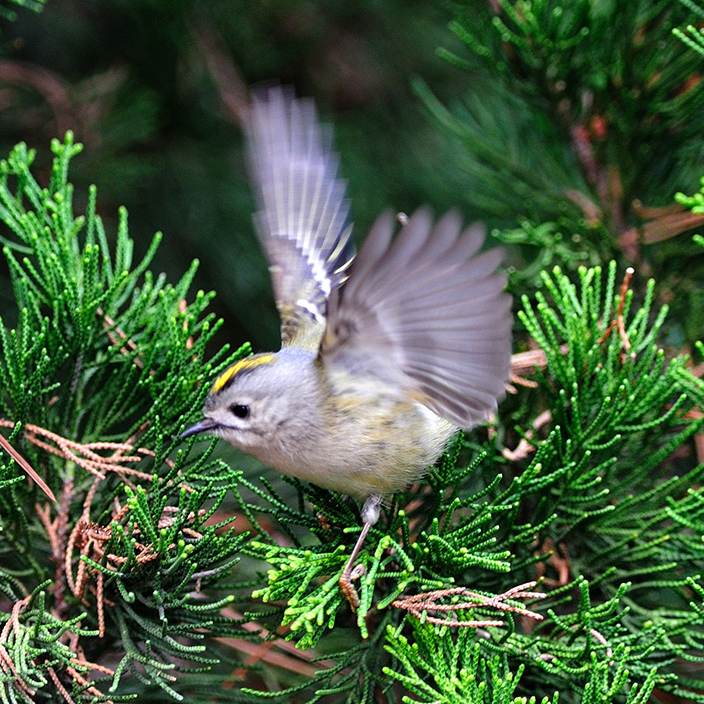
column 352, row 572
column 347, row 588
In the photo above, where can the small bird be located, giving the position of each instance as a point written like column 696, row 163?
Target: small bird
column 384, row 356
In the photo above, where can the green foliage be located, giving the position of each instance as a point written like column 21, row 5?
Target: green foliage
column 578, row 124
column 596, row 482
column 695, row 202
column 555, row 556
column 599, row 67
column 692, row 36
column 102, row 351
column 8, row 12
column 456, row 666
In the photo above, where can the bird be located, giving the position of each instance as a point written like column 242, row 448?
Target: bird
column 384, row 354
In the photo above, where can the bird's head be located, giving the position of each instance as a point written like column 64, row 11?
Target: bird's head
column 249, row 403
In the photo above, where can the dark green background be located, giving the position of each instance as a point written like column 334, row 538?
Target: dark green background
column 132, row 80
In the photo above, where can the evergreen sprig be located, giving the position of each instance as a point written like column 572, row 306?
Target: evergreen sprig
column 103, row 365
column 579, row 123
column 119, row 589
column 591, row 491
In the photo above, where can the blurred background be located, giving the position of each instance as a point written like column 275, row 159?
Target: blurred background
column 567, row 128
column 153, row 90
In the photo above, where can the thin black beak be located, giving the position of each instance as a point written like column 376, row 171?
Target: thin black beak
column 200, row 427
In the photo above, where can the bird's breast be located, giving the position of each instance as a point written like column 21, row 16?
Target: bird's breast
column 367, row 439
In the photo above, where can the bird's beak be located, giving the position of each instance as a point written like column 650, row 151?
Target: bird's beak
column 200, row 427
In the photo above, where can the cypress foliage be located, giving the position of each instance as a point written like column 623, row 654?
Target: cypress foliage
column 555, row 555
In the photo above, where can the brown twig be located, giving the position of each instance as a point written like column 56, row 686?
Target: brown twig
column 670, row 225
column 128, row 344
column 83, row 682
column 618, row 322
column 24, row 465
column 525, row 447
column 591, row 211
column 524, row 362
column 86, row 455
column 100, row 604
column 231, row 87
column 559, row 559
column 52, row 88
column 426, row 604
column 59, row 686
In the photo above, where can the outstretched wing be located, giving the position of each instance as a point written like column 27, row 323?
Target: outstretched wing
column 303, row 214
column 425, row 311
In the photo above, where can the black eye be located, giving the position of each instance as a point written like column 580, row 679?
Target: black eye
column 239, row 410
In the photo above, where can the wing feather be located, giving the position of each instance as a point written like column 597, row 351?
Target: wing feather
column 303, row 213
column 426, row 311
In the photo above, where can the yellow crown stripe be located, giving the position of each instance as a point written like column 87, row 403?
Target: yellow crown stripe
column 237, row 367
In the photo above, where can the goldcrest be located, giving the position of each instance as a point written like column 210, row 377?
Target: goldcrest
column 384, row 356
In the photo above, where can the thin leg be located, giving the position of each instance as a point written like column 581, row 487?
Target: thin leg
column 370, row 515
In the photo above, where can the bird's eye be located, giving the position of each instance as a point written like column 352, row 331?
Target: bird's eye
column 239, row 410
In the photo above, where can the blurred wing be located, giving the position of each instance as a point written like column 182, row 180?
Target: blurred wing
column 302, row 219
column 425, row 311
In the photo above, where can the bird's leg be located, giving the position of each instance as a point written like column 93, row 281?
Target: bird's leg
column 370, row 515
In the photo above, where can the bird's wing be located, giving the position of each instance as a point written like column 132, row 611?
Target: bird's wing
column 303, row 214
column 425, row 311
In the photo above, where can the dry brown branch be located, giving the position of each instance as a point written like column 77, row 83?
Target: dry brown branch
column 618, row 322
column 525, row 447
column 662, row 223
column 650, row 212
column 231, row 87
column 100, row 604
column 516, row 380
column 591, row 211
column 559, row 559
column 56, row 531
column 696, row 414
column 24, row 465
column 48, row 84
column 426, row 604
column 59, row 686
column 82, row 662
column 83, row 682
column 87, row 455
column 128, row 345
column 670, row 225
column 281, row 644
column 524, row 363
